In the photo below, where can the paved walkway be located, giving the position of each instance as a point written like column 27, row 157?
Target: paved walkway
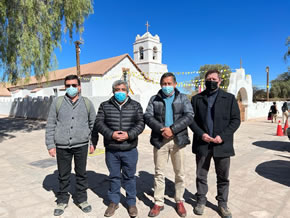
column 260, row 175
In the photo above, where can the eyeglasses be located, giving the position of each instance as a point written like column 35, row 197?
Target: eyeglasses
column 73, row 85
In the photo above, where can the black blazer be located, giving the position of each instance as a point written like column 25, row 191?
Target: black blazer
column 226, row 122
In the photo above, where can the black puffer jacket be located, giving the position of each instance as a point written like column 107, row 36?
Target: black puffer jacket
column 111, row 118
column 182, row 117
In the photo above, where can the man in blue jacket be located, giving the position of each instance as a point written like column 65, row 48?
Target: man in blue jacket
column 168, row 114
column 217, row 117
column 120, row 121
column 68, row 130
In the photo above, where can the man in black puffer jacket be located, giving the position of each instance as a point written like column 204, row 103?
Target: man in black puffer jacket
column 168, row 114
column 120, row 121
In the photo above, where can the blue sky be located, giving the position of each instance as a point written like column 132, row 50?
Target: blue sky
column 192, row 32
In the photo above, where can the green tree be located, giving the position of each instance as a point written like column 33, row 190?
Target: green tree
column 30, row 30
column 280, row 87
column 259, row 94
column 196, row 81
column 224, row 69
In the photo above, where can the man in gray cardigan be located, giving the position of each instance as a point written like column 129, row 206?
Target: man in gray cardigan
column 68, row 129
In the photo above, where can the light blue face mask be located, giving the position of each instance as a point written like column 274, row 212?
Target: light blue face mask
column 72, row 91
column 120, row 96
column 167, row 90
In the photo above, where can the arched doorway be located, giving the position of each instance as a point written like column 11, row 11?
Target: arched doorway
column 242, row 99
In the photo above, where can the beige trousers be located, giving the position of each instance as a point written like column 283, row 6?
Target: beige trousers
column 284, row 116
column 161, row 157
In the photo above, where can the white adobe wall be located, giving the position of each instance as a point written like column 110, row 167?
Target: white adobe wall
column 261, row 109
column 47, row 89
column 5, row 105
column 240, row 81
column 38, row 108
column 140, row 87
column 145, row 89
column 153, row 67
column 102, row 86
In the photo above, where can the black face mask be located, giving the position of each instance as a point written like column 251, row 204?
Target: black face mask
column 211, row 85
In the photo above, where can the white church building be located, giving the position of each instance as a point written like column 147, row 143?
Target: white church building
column 32, row 99
column 97, row 77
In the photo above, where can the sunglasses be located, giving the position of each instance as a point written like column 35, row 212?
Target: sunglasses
column 73, row 85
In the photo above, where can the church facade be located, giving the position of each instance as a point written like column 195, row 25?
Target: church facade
column 142, row 74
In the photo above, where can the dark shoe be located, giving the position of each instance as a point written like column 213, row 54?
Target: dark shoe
column 155, row 210
column 180, row 209
column 199, row 209
column 59, row 209
column 85, row 207
column 132, row 210
column 225, row 212
column 111, row 209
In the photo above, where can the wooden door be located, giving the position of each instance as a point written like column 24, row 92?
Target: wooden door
column 242, row 110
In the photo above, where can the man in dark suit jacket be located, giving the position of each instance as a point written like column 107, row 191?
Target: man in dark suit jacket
column 217, row 117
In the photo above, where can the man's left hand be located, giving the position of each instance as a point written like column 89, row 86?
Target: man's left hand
column 92, row 149
column 217, row 140
column 167, row 133
column 123, row 136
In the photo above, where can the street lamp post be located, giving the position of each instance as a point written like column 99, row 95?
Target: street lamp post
column 78, row 50
column 267, row 70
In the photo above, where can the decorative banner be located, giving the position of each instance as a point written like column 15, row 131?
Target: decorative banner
column 193, row 72
column 144, row 76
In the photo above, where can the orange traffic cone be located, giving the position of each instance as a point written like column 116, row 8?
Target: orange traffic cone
column 286, row 127
column 279, row 129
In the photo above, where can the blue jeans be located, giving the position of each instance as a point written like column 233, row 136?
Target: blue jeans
column 122, row 165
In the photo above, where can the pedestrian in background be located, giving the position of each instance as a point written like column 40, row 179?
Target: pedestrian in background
column 274, row 112
column 284, row 112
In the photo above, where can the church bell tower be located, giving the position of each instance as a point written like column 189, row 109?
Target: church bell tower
column 148, row 53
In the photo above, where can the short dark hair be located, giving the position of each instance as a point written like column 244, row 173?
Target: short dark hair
column 168, row 74
column 211, row 72
column 72, row 77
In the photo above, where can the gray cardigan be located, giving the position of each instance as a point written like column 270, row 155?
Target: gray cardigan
column 71, row 126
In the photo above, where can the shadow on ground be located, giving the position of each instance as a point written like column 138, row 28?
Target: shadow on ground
column 145, row 184
column 99, row 184
column 273, row 145
column 275, row 170
column 10, row 125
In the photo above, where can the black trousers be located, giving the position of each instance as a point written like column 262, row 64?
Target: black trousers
column 222, row 167
column 64, row 163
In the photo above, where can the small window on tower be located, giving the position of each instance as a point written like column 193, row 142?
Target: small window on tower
column 141, row 53
column 154, row 53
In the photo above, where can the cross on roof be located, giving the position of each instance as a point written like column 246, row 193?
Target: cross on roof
column 147, row 25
